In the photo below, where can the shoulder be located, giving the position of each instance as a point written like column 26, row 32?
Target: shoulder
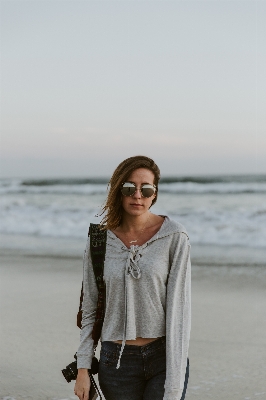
column 171, row 227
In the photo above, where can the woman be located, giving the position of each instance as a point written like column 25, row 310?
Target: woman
column 147, row 273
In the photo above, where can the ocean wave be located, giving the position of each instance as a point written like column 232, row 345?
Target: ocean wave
column 64, row 182
column 224, row 212
column 241, row 227
column 189, row 185
column 170, row 179
column 223, row 188
column 86, row 189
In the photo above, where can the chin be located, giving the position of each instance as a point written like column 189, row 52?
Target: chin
column 136, row 212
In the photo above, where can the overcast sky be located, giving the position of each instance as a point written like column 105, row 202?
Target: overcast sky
column 86, row 84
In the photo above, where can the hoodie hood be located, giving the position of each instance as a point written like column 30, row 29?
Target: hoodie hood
column 169, row 227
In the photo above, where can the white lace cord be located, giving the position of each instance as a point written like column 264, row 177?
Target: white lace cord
column 121, row 352
column 133, row 269
column 125, row 327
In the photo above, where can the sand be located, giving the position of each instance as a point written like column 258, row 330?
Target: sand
column 39, row 301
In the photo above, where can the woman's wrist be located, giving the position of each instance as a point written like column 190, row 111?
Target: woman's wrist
column 82, row 371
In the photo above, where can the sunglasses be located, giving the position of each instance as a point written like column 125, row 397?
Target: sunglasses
column 129, row 188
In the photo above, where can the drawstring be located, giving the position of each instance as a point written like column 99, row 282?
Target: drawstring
column 133, row 269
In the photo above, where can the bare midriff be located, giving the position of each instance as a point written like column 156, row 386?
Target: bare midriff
column 139, row 341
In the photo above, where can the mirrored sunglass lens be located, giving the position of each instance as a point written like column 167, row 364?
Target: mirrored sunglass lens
column 147, row 190
column 128, row 189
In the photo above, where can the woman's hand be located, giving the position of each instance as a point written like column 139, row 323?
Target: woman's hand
column 83, row 384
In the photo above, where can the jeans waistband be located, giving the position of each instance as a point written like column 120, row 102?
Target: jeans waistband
column 133, row 349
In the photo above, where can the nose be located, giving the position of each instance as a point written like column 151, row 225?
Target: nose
column 137, row 194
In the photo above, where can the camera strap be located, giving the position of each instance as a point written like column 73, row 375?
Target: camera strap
column 98, row 238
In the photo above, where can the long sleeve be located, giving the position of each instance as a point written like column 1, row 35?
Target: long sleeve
column 89, row 304
column 178, row 319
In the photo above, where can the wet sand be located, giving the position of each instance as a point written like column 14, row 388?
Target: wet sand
column 39, row 301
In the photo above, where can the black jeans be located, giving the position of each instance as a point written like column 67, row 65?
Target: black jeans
column 141, row 375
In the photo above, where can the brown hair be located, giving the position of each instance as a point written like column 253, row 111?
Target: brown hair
column 113, row 205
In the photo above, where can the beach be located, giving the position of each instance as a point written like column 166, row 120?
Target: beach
column 43, row 232
column 39, row 301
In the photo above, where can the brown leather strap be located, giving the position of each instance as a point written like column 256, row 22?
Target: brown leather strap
column 98, row 239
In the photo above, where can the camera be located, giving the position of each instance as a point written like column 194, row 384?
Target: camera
column 70, row 372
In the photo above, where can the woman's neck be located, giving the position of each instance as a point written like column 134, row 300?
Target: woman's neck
column 134, row 223
column 137, row 231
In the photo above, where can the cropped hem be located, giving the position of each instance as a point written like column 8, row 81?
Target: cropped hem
column 149, row 335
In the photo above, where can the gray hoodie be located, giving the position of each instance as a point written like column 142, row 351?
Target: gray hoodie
column 148, row 295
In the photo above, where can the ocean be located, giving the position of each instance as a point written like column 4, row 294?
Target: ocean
column 216, row 210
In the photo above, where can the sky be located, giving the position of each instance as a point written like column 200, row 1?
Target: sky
column 86, row 84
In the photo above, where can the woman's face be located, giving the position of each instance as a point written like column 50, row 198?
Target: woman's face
column 136, row 204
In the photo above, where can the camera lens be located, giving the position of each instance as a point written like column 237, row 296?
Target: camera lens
column 70, row 372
